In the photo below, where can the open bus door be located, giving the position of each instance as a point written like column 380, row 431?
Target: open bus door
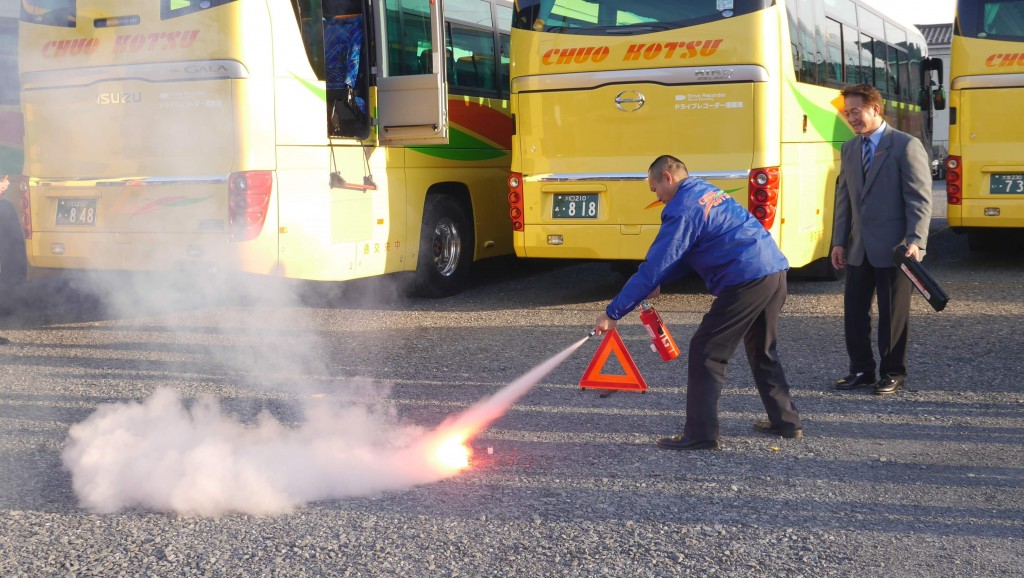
column 412, row 98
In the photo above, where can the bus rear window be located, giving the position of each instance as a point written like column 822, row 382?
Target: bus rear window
column 993, row 20
column 625, row 16
column 176, row 8
column 50, row 12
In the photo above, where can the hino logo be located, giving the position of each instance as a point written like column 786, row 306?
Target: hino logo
column 630, row 100
column 118, row 97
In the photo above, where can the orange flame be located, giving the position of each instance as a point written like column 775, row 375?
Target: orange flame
column 452, row 453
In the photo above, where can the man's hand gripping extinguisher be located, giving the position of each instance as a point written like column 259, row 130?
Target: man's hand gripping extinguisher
column 662, row 341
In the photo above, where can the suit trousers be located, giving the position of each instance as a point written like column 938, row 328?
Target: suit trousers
column 748, row 312
column 894, row 291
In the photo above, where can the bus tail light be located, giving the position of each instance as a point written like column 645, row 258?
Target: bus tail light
column 248, row 201
column 954, row 182
column 763, row 195
column 515, row 201
column 25, row 205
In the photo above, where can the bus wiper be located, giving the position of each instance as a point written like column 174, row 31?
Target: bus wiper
column 613, row 30
column 639, row 29
column 609, row 30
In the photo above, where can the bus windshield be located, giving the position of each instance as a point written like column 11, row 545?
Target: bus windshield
column 618, row 17
column 1000, row 20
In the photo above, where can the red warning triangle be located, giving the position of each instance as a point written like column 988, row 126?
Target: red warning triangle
column 593, row 378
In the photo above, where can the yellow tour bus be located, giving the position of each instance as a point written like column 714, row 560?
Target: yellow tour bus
column 12, row 245
column 746, row 92
column 308, row 139
column 985, row 166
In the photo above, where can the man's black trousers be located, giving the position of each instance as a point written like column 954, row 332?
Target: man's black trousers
column 748, row 312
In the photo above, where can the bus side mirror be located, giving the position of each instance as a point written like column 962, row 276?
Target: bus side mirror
column 939, row 99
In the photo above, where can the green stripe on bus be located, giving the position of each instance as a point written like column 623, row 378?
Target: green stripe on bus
column 319, row 91
column 461, row 147
column 825, row 121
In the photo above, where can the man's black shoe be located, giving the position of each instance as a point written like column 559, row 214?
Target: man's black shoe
column 681, row 442
column 765, row 426
column 889, row 384
column 855, row 380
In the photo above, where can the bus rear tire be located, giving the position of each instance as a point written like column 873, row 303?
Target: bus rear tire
column 13, row 262
column 446, row 248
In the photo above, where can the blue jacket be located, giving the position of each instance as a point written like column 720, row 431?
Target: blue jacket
column 705, row 230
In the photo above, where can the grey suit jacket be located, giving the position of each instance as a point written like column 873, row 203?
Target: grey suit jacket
column 889, row 206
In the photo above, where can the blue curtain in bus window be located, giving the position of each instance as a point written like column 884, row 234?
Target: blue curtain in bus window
column 343, row 40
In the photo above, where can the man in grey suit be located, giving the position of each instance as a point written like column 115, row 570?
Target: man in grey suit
column 883, row 199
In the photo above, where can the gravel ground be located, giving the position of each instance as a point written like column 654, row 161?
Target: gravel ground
column 923, row 483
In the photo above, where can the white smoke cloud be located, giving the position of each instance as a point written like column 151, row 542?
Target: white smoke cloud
column 161, row 455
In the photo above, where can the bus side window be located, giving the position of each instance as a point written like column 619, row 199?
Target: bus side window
column 475, row 66
column 465, row 69
column 834, row 44
column 310, row 18
column 408, row 33
column 427, row 68
column 504, row 64
column 471, row 38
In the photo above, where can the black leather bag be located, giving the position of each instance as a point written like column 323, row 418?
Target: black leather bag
column 920, row 278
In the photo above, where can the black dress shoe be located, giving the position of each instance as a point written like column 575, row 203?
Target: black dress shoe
column 855, row 380
column 765, row 426
column 889, row 384
column 681, row 442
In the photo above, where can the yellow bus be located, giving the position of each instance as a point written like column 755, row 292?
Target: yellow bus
column 309, row 139
column 985, row 167
column 744, row 91
column 12, row 244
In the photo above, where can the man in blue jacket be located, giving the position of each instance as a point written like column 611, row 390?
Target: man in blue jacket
column 704, row 230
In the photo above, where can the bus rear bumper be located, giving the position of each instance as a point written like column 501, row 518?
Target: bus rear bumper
column 138, row 252
column 988, row 212
column 605, row 242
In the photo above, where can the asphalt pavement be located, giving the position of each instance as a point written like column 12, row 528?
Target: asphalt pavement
column 926, row 482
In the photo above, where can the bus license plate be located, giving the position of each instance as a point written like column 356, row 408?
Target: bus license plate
column 1006, row 185
column 76, row 212
column 574, row 206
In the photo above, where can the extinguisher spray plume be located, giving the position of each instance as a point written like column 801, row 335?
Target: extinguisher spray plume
column 661, row 339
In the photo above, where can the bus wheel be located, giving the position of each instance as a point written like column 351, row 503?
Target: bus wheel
column 446, row 248
column 13, row 262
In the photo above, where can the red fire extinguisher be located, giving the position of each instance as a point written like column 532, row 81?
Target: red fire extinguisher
column 662, row 341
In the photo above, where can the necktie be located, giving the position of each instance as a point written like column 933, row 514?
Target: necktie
column 865, row 155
